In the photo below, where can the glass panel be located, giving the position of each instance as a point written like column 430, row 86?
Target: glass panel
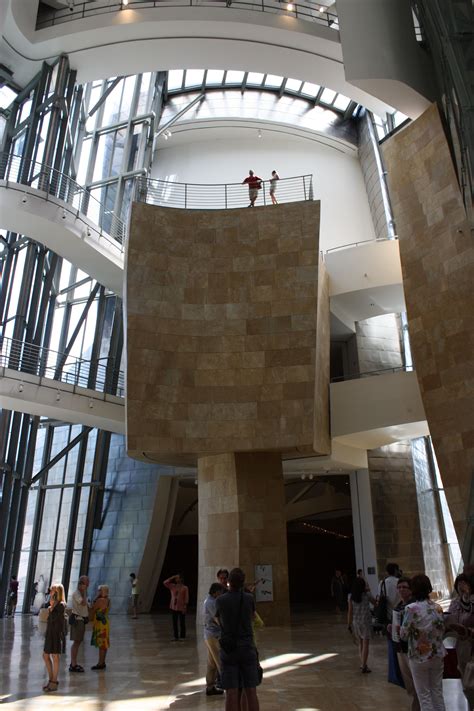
column 214, row 76
column 127, row 98
column 255, row 78
column 84, row 161
column 117, row 159
column 234, row 77
column 293, row 84
column 310, row 89
column 104, row 155
column 398, row 118
column 341, row 102
column 7, row 96
column 328, row 96
column 144, row 91
column 26, row 109
column 194, row 77
column 273, row 80
column 175, row 79
column 112, row 104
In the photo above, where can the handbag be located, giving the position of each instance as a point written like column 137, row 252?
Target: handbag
column 381, row 608
column 468, row 677
column 259, row 668
column 43, row 614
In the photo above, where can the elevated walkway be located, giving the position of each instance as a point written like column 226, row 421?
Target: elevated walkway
column 365, row 280
column 296, row 40
column 50, row 208
column 377, row 410
column 43, row 382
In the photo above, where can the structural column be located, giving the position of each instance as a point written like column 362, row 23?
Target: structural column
column 242, row 523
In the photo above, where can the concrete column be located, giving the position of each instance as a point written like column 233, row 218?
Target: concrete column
column 242, row 523
column 363, row 523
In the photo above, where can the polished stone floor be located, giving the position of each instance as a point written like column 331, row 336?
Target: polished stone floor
column 311, row 667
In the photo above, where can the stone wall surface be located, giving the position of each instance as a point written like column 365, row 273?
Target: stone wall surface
column 437, row 257
column 222, row 332
column 379, row 343
column 395, row 508
column 242, row 522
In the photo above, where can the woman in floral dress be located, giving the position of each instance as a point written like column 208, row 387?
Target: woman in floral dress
column 423, row 628
column 359, row 619
column 100, row 628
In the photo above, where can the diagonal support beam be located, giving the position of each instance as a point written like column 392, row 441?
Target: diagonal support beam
column 85, row 431
column 106, row 93
column 82, row 318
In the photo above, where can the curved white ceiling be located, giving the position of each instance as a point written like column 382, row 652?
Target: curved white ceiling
column 132, row 41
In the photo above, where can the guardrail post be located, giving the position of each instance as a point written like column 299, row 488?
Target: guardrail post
column 225, row 194
column 304, row 187
column 264, row 197
column 185, row 195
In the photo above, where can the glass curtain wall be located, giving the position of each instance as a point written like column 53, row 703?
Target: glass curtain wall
column 99, row 135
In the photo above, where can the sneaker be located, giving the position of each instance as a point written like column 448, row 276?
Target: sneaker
column 214, row 692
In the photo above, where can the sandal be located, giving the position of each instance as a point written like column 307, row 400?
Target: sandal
column 76, row 668
column 51, row 686
column 98, row 667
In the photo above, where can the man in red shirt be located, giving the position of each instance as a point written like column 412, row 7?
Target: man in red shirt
column 254, row 183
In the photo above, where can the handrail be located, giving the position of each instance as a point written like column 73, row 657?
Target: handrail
column 369, row 373
column 364, row 241
column 307, row 10
column 221, row 196
column 34, row 174
column 31, row 359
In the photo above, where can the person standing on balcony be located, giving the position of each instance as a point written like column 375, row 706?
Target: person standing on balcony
column 273, row 185
column 254, row 183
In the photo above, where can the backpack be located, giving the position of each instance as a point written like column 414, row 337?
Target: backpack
column 381, row 608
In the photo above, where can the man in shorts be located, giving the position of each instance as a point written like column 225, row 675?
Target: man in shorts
column 254, row 183
column 79, row 619
column 239, row 666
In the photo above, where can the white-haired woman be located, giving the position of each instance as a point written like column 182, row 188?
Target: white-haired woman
column 55, row 639
column 100, row 625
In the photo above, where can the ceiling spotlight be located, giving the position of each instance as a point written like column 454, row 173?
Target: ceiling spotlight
column 196, row 482
column 322, row 8
column 310, row 477
column 259, row 134
column 64, row 215
column 303, row 477
column 24, row 199
column 290, row 7
column 124, row 3
column 58, row 395
column 20, row 388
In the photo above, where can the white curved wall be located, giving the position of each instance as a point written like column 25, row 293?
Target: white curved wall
column 227, row 158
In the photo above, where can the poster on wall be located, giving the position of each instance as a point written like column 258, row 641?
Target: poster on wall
column 263, row 583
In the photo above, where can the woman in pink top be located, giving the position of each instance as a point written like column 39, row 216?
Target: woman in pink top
column 178, row 604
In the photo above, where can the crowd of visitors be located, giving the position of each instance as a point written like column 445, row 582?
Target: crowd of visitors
column 415, row 625
column 416, row 628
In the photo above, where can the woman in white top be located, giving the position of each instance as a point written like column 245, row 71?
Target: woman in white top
column 423, row 628
column 273, row 184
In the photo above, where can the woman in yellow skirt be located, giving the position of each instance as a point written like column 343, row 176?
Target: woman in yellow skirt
column 100, row 628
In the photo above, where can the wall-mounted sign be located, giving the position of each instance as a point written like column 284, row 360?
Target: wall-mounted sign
column 264, row 583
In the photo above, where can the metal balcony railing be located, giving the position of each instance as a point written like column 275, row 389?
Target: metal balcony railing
column 220, row 196
column 16, row 169
column 306, row 10
column 28, row 358
column 370, row 373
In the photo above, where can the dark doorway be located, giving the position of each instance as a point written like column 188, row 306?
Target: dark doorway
column 313, row 556
column 181, row 557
